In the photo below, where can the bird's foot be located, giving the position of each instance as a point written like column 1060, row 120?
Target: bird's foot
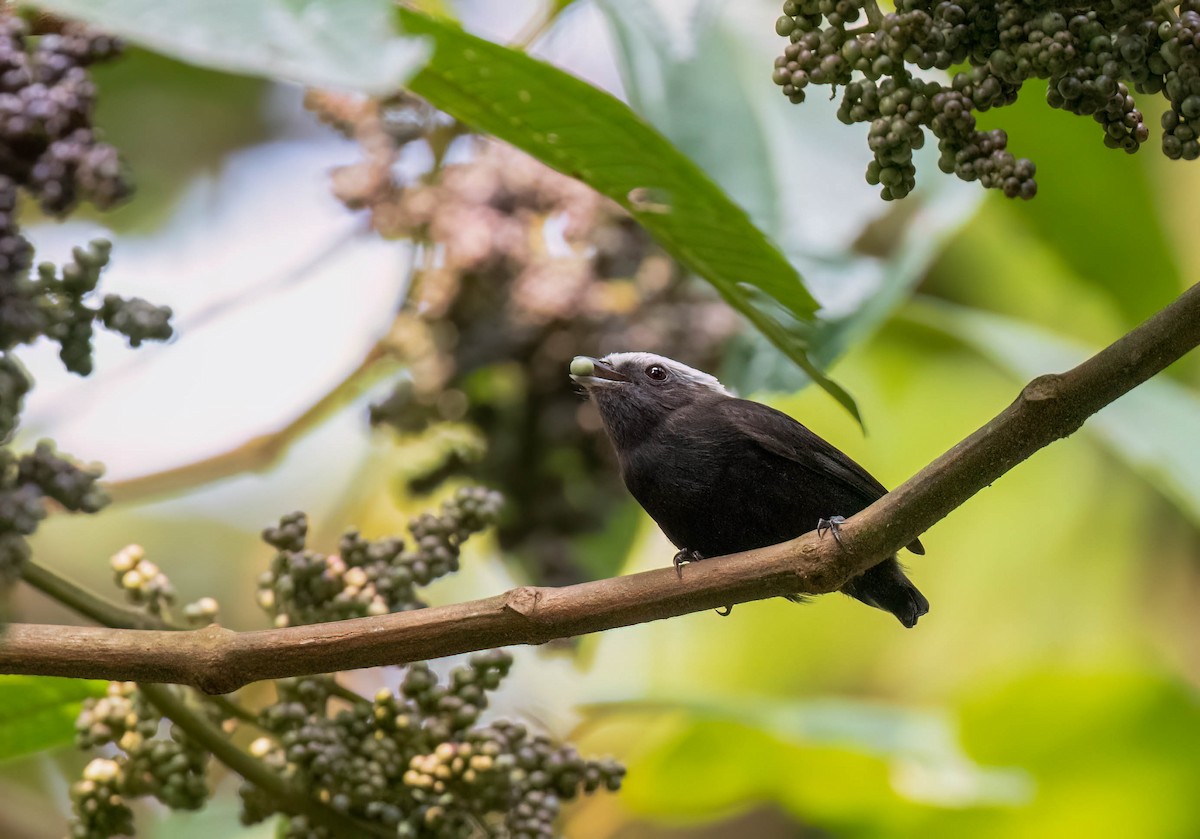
column 833, row 525
column 726, row 613
column 683, row 557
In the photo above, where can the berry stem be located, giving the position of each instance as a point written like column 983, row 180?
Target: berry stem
column 1166, row 9
column 88, row 603
column 171, row 704
column 874, row 20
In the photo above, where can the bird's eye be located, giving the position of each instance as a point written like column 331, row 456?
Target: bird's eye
column 656, row 372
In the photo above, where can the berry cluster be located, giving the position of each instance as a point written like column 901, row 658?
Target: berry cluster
column 147, row 587
column 14, row 384
column 365, row 577
column 121, row 716
column 49, row 150
column 418, row 761
column 46, row 105
column 57, row 304
column 27, row 483
column 1090, row 56
column 98, row 809
column 142, row 581
column 171, row 768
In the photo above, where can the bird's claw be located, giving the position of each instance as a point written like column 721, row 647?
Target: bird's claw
column 685, row 556
column 682, row 558
column 833, row 525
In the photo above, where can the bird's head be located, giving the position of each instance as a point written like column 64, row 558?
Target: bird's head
column 635, row 391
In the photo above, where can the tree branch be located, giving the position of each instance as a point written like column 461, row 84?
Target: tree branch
column 174, row 707
column 217, row 660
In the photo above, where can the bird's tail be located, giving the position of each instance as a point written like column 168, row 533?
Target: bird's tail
column 884, row 586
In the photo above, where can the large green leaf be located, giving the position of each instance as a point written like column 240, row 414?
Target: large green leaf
column 797, row 171
column 334, row 43
column 820, row 757
column 1152, row 428
column 590, row 135
column 38, row 713
column 1112, row 752
column 683, row 89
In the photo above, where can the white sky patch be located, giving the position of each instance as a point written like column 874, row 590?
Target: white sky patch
column 278, row 293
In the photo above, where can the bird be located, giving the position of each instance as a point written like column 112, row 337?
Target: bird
column 721, row 475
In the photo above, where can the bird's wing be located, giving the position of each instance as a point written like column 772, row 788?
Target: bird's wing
column 783, row 436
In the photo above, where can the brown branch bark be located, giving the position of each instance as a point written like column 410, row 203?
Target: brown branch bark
column 219, row 660
column 171, row 704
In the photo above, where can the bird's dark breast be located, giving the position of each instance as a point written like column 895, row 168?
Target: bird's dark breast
column 721, row 493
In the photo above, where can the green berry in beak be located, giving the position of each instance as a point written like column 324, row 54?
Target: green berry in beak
column 582, row 366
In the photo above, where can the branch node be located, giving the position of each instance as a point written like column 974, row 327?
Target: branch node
column 213, row 673
column 1043, row 388
column 524, row 600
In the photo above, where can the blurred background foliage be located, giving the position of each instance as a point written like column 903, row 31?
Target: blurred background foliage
column 1053, row 688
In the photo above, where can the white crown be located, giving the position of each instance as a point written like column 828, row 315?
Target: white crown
column 642, row 360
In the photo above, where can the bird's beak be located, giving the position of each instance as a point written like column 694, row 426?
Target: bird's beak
column 592, row 372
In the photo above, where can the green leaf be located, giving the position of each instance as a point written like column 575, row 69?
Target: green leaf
column 588, row 134
column 761, row 742
column 682, row 91
column 800, row 180
column 1112, row 752
column 1152, row 429
column 38, row 713
column 921, row 739
column 330, row 43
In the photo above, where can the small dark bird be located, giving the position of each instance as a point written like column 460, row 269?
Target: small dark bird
column 721, row 475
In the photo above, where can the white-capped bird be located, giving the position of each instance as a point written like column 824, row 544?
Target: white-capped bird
column 721, row 475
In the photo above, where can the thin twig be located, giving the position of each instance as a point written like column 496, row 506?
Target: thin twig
column 342, row 692
column 218, row 660
column 87, row 603
column 536, row 26
column 171, row 705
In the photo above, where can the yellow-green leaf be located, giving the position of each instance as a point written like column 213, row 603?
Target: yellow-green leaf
column 38, row 712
